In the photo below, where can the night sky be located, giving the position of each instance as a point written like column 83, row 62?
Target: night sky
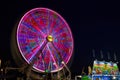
column 95, row 25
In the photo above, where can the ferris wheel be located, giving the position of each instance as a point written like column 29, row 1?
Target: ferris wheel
column 44, row 40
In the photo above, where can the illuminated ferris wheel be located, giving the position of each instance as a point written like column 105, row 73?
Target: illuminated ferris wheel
column 44, row 40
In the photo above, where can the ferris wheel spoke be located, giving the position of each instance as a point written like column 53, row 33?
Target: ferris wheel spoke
column 54, row 25
column 62, row 35
column 50, row 65
column 59, row 26
column 61, row 40
column 51, row 27
column 28, row 26
column 57, row 32
column 37, row 24
column 63, row 45
column 58, row 52
column 55, row 63
column 48, row 20
column 64, row 51
column 43, row 60
column 36, row 55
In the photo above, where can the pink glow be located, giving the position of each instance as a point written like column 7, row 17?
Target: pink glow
column 44, row 29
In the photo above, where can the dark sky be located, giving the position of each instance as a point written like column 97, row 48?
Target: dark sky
column 95, row 25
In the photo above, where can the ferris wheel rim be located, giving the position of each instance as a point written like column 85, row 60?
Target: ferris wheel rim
column 62, row 20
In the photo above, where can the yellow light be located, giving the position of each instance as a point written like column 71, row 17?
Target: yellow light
column 49, row 38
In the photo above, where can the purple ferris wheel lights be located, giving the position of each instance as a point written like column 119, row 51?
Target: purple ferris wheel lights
column 44, row 34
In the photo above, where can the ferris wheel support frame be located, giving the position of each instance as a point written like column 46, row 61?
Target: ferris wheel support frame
column 40, row 52
column 62, row 61
column 29, row 67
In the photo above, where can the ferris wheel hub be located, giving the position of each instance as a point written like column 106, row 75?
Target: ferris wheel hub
column 49, row 38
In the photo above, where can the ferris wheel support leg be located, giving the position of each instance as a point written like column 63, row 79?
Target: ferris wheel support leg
column 30, row 66
column 38, row 53
column 69, row 76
